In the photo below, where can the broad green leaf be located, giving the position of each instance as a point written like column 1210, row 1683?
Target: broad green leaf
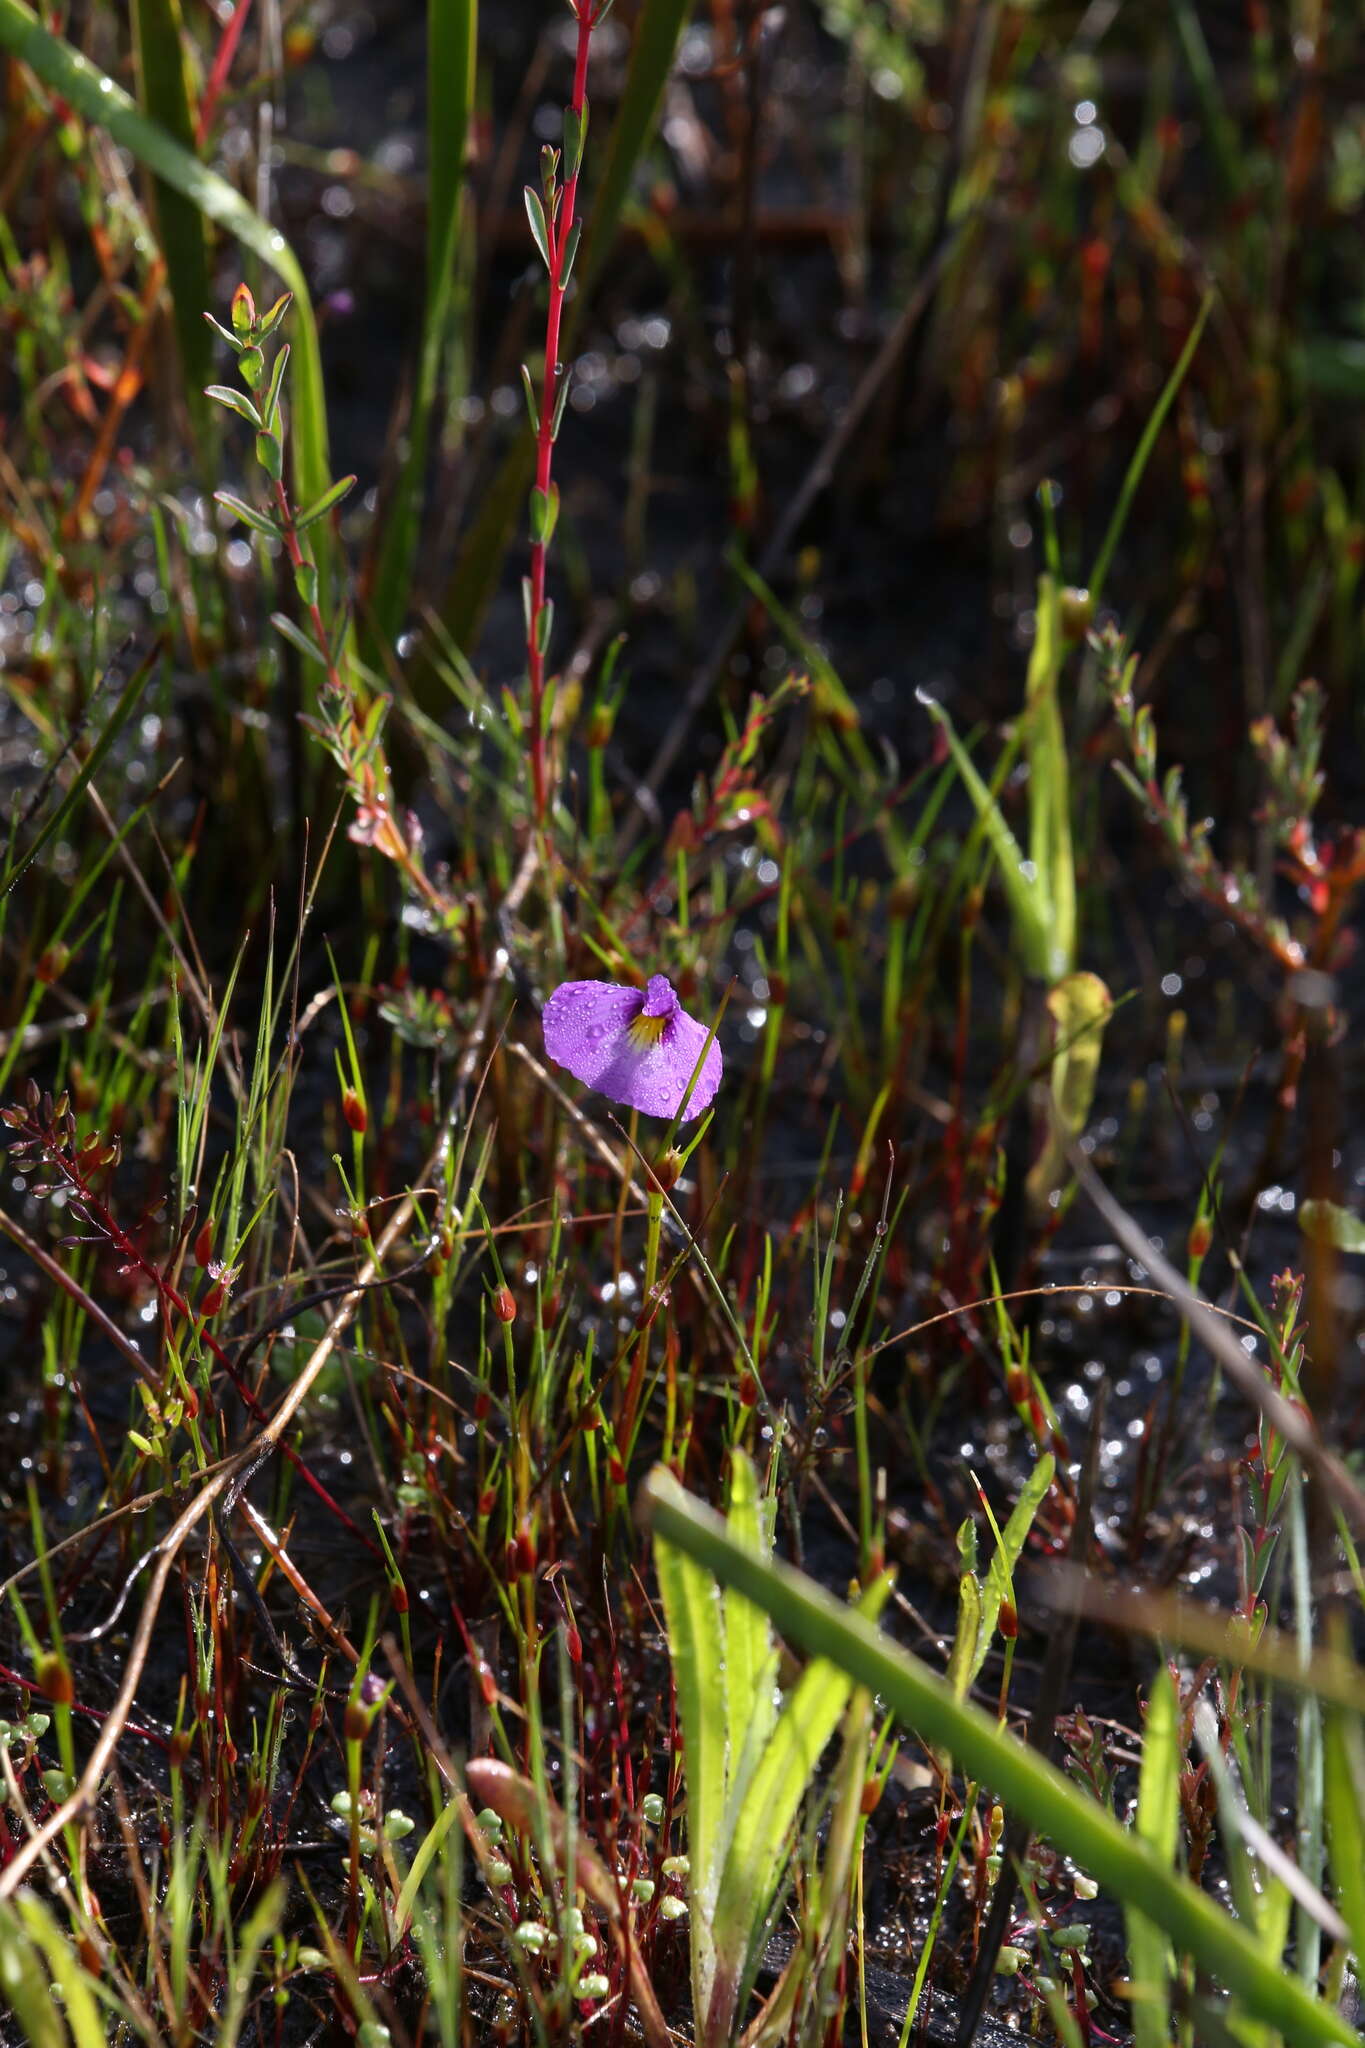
column 1026, row 1782
column 1328, row 1223
column 756, row 1851
column 696, row 1642
column 750, row 1652
column 1157, row 1823
column 158, row 40
column 969, row 1648
column 1080, row 1005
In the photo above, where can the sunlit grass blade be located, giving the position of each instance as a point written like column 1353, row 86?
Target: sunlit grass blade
column 1050, row 1803
column 1021, row 887
column 69, row 73
column 1157, row 1823
column 452, row 30
column 659, row 23
column 164, row 93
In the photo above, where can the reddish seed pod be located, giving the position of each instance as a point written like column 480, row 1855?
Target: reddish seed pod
column 616, row 1471
column 212, row 1300
column 54, row 1676
column 1201, row 1237
column 488, row 1684
column 203, row 1243
column 179, row 1748
column 748, row 1390
column 526, row 1551
column 354, row 1111
column 574, row 1644
column 401, row 1602
column 1016, row 1385
column 52, row 963
column 356, row 1721
column 1008, row 1620
column 504, row 1307
column 483, row 1401
column 872, row 1793
column 488, row 1500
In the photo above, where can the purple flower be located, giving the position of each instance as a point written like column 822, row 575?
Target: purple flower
column 637, row 1048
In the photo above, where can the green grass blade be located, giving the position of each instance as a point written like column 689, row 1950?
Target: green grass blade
column 1344, row 1802
column 158, row 39
column 123, row 710
column 692, row 1610
column 1157, row 1823
column 26, row 1978
column 452, row 30
column 1130, row 1868
column 1141, row 454
column 69, row 73
column 999, row 1581
column 657, row 29
column 1026, row 907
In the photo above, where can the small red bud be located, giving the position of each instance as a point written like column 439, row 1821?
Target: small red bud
column 354, row 1111
column 1009, row 1620
column 52, row 963
column 203, row 1243
column 483, row 1401
column 616, row 1471
column 526, row 1552
column 1200, row 1238
column 54, row 1676
column 488, row 1500
column 212, row 1300
column 504, row 1307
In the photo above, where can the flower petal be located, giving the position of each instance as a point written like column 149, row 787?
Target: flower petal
column 583, row 1023
column 588, row 1029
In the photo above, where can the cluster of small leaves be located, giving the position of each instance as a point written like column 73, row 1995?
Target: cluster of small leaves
column 1267, row 1465
column 49, row 1140
column 1232, row 891
column 349, row 729
column 734, row 797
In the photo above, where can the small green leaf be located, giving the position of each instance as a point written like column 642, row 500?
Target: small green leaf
column 325, row 503
column 570, row 251
column 270, row 455
column 535, row 213
column 249, row 516
column 235, row 401
column 575, row 134
column 286, row 628
column 272, row 397
column 532, row 407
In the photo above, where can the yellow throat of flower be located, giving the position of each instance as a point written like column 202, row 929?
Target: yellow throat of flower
column 646, row 1031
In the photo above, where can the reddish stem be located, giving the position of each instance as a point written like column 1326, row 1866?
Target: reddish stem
column 222, row 64
column 561, row 227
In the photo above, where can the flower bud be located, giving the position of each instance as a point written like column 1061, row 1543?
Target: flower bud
column 353, row 1109
column 243, row 310
column 504, row 1307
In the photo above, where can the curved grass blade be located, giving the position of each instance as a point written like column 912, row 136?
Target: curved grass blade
column 1132, row 1870
column 158, row 39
